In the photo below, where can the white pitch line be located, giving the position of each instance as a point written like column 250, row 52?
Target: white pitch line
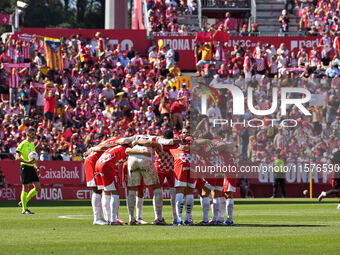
column 75, row 216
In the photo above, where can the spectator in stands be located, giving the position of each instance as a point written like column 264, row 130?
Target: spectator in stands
column 183, row 8
column 254, row 30
column 284, row 21
column 244, row 31
column 177, row 114
column 313, row 31
column 169, row 56
column 192, row 6
column 25, row 99
column 230, row 23
column 50, row 105
column 290, row 2
column 207, row 55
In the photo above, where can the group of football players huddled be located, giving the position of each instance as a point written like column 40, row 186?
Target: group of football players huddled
column 133, row 162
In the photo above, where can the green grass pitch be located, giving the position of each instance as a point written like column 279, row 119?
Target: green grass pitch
column 263, row 226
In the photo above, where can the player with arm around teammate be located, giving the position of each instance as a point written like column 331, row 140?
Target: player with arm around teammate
column 106, row 172
column 165, row 169
column 142, row 166
column 91, row 157
column 184, row 181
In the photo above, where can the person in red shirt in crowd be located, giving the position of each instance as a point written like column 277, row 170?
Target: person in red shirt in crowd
column 176, row 114
column 100, row 43
column 50, row 105
column 230, row 24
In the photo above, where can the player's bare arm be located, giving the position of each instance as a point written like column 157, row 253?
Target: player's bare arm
column 130, row 151
column 225, row 147
column 147, row 143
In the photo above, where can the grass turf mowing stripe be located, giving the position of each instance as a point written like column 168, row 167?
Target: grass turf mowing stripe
column 261, row 228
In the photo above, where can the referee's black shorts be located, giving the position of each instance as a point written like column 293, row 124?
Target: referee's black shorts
column 28, row 174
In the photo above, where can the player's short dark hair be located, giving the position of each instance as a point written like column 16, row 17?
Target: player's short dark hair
column 168, row 134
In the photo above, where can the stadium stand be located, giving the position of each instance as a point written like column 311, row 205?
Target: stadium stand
column 94, row 97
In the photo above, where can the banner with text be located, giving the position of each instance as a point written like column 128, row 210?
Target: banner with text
column 185, row 45
column 52, row 172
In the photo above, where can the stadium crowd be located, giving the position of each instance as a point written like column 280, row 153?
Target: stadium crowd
column 319, row 16
column 264, row 68
column 163, row 15
column 104, row 91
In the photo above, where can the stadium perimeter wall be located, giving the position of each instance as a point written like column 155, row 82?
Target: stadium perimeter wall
column 65, row 180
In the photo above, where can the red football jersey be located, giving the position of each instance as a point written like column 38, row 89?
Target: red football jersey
column 164, row 159
column 183, row 159
column 94, row 156
column 114, row 156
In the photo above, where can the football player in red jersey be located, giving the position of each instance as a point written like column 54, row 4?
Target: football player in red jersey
column 229, row 187
column 184, row 182
column 210, row 156
column 165, row 169
column 107, row 180
column 91, row 157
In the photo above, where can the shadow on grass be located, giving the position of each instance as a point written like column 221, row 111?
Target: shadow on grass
column 241, row 225
column 148, row 202
column 278, row 225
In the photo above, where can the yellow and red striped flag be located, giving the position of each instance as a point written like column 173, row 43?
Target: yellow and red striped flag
column 53, row 53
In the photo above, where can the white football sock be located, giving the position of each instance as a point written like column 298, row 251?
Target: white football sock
column 173, row 203
column 114, row 207
column 222, row 209
column 96, row 201
column 189, row 205
column 158, row 203
column 205, row 203
column 139, row 207
column 215, row 208
column 106, row 206
column 179, row 205
column 230, row 208
column 131, row 200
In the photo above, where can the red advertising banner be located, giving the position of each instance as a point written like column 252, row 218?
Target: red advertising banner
column 202, row 37
column 5, row 19
column 125, row 37
column 48, row 193
column 185, row 45
column 52, row 172
column 221, row 36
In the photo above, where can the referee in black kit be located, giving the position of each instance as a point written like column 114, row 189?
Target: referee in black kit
column 29, row 174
